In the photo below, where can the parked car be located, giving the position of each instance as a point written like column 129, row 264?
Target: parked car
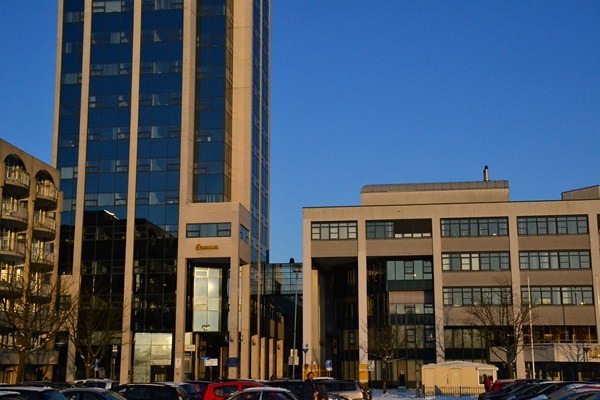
column 55, row 385
column 143, row 391
column 351, row 389
column 200, row 386
column 500, row 384
column 572, row 391
column 542, row 390
column 296, row 386
column 513, row 388
column 35, row 392
column 97, row 383
column 264, row 393
column 90, row 393
column 222, row 390
column 191, row 391
column 8, row 395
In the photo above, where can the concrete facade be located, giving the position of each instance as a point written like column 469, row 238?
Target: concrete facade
column 239, row 341
column 416, row 217
column 31, row 200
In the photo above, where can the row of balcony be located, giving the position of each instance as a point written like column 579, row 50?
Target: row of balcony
column 14, row 215
column 11, row 287
column 17, row 180
column 12, row 249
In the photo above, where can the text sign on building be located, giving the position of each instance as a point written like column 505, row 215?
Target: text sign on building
column 207, row 247
column 211, row 362
column 189, row 347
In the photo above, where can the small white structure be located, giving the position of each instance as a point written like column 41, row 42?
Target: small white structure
column 456, row 376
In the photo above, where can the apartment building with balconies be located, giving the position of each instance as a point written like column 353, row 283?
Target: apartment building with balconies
column 29, row 216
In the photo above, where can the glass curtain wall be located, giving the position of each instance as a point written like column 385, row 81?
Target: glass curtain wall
column 68, row 125
column 157, row 185
column 107, row 156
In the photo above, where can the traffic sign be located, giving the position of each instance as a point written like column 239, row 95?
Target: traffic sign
column 328, row 365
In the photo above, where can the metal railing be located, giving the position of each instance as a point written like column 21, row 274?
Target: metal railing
column 44, row 221
column 41, row 289
column 452, row 391
column 15, row 210
column 42, row 257
column 17, row 175
column 12, row 245
column 46, row 190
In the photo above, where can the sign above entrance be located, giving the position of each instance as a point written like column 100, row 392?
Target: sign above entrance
column 200, row 247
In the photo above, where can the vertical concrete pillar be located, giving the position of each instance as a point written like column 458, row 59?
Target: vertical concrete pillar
column 279, row 371
column 515, row 277
column 185, row 182
column 255, row 358
column 234, row 305
column 595, row 260
column 271, row 352
column 310, row 328
column 438, row 293
column 363, row 327
column 244, row 336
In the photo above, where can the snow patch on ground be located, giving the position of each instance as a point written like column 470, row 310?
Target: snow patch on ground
column 394, row 393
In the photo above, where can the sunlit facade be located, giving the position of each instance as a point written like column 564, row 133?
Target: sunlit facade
column 414, row 256
column 31, row 200
column 162, row 138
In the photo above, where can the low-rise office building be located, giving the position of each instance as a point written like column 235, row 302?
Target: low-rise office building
column 420, row 254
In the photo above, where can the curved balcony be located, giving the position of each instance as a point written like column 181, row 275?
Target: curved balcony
column 46, row 195
column 12, row 249
column 16, row 181
column 44, row 226
column 40, row 292
column 14, row 215
column 41, row 261
column 11, row 285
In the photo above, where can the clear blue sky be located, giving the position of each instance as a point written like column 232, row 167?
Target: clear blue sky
column 384, row 91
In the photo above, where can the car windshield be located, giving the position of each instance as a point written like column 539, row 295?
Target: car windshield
column 53, row 395
column 340, row 386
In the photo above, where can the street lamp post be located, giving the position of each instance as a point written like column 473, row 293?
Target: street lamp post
column 305, row 350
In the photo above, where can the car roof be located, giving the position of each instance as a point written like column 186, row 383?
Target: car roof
column 85, row 389
column 30, row 388
column 265, row 388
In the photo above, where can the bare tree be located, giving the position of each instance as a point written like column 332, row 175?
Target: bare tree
column 32, row 313
column 502, row 316
column 94, row 329
column 385, row 340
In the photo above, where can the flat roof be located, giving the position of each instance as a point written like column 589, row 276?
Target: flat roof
column 423, row 187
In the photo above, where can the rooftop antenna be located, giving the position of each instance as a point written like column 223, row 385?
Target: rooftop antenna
column 486, row 174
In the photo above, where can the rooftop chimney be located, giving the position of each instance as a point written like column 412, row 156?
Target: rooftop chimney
column 486, row 174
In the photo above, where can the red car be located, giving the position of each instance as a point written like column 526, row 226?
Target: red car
column 222, row 390
column 500, row 383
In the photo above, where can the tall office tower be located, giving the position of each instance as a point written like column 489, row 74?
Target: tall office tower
column 162, row 139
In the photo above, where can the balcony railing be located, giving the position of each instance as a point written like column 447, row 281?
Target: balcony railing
column 15, row 210
column 46, row 190
column 42, row 257
column 40, row 289
column 44, row 221
column 11, row 282
column 12, row 245
column 16, row 175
